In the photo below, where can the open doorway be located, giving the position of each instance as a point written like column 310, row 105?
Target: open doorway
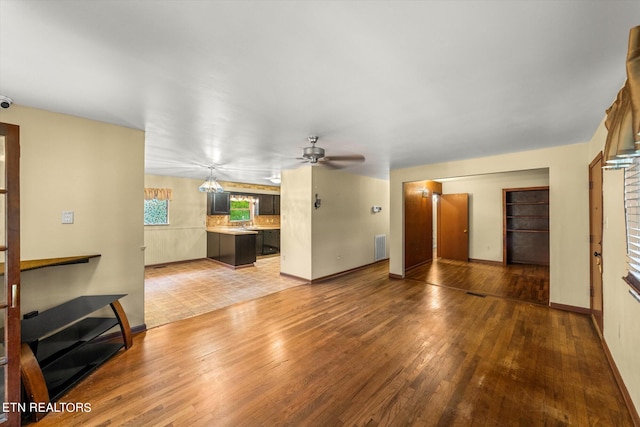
column 485, row 237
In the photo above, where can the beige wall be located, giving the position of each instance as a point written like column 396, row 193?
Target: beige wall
column 185, row 237
column 621, row 311
column 568, row 210
column 344, row 228
column 338, row 236
column 295, row 222
column 97, row 171
column 485, row 206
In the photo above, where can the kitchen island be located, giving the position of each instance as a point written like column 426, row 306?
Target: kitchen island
column 233, row 246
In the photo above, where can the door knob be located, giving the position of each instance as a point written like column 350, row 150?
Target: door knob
column 596, row 253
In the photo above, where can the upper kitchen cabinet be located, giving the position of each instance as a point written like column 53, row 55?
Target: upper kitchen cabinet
column 268, row 204
column 218, row 203
column 276, row 205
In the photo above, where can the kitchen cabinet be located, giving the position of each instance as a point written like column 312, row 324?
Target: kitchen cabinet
column 268, row 204
column 234, row 249
column 265, row 204
column 219, row 203
column 259, row 242
column 213, row 245
column 276, row 205
column 268, row 242
column 271, row 242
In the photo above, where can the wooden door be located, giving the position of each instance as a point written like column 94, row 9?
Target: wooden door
column 10, row 258
column 453, row 226
column 595, row 239
column 418, row 224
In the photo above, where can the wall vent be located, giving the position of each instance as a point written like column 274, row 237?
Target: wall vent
column 381, row 247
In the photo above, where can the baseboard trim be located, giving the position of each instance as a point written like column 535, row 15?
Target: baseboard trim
column 164, row 264
column 396, row 276
column 486, row 261
column 118, row 335
column 407, row 269
column 571, row 308
column 295, row 277
column 623, row 388
column 233, row 267
column 342, row 273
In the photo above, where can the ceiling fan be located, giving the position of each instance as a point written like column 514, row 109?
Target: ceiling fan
column 315, row 155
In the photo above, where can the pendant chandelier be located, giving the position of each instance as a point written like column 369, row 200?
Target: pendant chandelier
column 210, row 185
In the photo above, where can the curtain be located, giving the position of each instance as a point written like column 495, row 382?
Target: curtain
column 157, row 193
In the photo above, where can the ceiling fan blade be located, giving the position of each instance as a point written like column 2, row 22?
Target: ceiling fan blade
column 328, row 164
column 352, row 158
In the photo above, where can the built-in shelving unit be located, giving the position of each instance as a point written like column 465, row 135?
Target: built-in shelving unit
column 61, row 345
column 526, row 225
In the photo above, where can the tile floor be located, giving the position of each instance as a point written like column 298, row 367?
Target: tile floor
column 182, row 290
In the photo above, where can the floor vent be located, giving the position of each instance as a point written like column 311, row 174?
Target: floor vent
column 381, row 247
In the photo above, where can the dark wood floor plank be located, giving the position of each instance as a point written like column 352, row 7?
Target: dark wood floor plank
column 516, row 281
column 359, row 350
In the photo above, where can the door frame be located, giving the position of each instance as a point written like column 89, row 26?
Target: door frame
column 596, row 301
column 11, row 279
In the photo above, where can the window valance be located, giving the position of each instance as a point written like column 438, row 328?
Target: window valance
column 157, row 194
column 623, row 117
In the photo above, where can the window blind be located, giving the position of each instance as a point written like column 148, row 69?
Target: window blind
column 632, row 216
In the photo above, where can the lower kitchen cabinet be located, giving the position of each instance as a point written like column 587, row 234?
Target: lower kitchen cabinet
column 259, row 240
column 233, row 249
column 271, row 242
column 213, row 245
column 237, row 249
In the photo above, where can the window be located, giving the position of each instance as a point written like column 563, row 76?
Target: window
column 156, row 212
column 240, row 210
column 632, row 215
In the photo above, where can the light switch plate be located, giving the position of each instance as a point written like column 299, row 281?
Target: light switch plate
column 67, row 217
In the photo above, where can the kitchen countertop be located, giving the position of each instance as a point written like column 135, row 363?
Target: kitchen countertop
column 237, row 231
column 240, row 230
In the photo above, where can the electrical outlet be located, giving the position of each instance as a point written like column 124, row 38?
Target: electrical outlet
column 67, row 217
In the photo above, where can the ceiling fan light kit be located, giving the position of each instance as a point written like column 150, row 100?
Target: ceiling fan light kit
column 316, row 155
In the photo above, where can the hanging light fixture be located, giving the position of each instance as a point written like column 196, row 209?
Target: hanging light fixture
column 210, row 185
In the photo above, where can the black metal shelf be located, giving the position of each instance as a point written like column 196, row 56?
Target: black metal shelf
column 62, row 345
column 76, row 335
column 65, row 372
column 57, row 317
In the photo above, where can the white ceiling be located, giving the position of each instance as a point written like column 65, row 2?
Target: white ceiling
column 242, row 84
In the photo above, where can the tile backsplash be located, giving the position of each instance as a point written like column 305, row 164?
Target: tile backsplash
column 261, row 220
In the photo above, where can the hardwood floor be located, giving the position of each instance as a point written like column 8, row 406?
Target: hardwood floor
column 186, row 289
column 521, row 282
column 359, row 350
